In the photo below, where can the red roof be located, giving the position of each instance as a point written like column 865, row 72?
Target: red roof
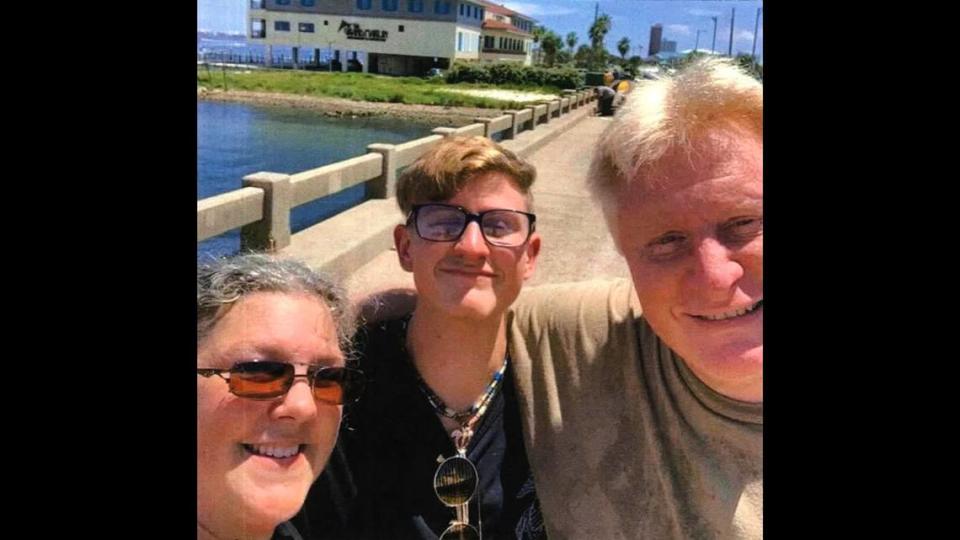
column 494, row 8
column 491, row 24
column 501, row 10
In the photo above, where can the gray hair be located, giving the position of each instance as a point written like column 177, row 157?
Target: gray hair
column 670, row 113
column 222, row 282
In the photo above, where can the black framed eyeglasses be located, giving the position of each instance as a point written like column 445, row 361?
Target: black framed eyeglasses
column 455, row 484
column 270, row 379
column 446, row 223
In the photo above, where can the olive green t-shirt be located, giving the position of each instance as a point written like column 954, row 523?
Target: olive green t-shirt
column 624, row 441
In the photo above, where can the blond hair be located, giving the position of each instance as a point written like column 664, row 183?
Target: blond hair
column 443, row 170
column 670, row 114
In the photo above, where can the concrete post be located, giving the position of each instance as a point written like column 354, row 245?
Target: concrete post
column 316, row 57
column 532, row 123
column 514, row 128
column 273, row 231
column 486, row 125
column 547, row 116
column 268, row 58
column 296, row 58
column 385, row 185
column 572, row 99
column 445, row 131
column 343, row 61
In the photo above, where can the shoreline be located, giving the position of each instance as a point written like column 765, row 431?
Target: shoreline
column 338, row 107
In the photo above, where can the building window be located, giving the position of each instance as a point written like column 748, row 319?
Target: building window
column 459, row 41
column 308, row 3
column 415, row 6
column 388, row 5
column 441, row 7
column 306, row 27
column 401, row 28
column 481, row 13
column 256, row 4
column 363, row 4
column 326, row 23
column 283, row 2
column 258, row 28
column 488, row 42
column 281, row 26
column 461, row 9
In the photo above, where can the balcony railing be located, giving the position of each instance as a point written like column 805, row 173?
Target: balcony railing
column 503, row 51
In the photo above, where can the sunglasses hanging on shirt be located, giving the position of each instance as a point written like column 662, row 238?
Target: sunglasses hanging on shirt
column 457, row 479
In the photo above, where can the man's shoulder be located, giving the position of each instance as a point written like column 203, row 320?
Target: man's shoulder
column 589, row 308
column 577, row 297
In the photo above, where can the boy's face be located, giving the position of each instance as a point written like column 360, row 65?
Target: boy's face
column 468, row 277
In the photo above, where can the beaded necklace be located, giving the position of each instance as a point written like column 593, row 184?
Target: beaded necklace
column 466, row 418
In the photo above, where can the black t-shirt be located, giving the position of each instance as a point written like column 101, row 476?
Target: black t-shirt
column 379, row 481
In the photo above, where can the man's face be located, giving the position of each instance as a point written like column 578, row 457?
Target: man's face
column 469, row 278
column 694, row 246
column 257, row 459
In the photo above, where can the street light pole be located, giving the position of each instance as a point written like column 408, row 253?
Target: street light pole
column 733, row 13
column 756, row 26
column 713, row 48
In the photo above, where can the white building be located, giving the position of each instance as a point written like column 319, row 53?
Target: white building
column 400, row 37
column 507, row 35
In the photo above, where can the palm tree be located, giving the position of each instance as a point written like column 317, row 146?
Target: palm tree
column 598, row 31
column 583, row 57
column 550, row 43
column 624, row 47
column 538, row 31
column 572, row 41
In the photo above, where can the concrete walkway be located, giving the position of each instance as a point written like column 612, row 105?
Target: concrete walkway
column 576, row 244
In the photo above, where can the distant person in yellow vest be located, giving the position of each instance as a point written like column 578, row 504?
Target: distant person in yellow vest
column 642, row 399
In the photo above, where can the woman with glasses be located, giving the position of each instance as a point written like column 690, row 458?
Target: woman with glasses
column 436, row 448
column 271, row 384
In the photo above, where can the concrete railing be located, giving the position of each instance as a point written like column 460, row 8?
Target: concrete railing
column 261, row 208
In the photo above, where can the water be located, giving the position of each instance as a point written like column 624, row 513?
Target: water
column 234, row 140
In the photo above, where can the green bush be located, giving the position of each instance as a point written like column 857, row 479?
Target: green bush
column 502, row 73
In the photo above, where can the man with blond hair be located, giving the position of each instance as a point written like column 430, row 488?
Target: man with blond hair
column 642, row 399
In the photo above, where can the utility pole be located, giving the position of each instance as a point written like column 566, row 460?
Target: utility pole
column 756, row 26
column 713, row 48
column 733, row 12
column 697, row 46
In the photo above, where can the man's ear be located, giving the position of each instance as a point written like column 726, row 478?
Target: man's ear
column 532, row 251
column 401, row 240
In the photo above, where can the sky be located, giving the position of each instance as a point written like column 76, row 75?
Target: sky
column 681, row 19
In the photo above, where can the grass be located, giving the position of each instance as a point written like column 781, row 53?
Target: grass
column 359, row 87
